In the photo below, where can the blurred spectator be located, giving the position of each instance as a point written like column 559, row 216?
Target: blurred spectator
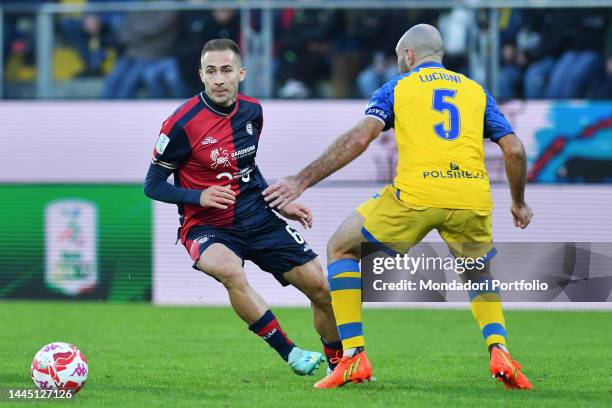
column 455, row 29
column 149, row 38
column 382, row 70
column 510, row 72
column 580, row 69
column 361, row 35
column 90, row 35
column 540, row 42
column 544, row 53
column 197, row 27
column 555, row 53
column 19, row 44
column 605, row 91
column 304, row 43
column 383, row 59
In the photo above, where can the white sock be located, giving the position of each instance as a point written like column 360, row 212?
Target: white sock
column 349, row 352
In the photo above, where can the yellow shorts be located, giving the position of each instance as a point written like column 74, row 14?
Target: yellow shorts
column 366, row 207
column 400, row 225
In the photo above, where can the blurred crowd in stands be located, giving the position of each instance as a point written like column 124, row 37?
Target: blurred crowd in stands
column 544, row 53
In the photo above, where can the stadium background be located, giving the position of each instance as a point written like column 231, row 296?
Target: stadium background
column 74, row 223
column 59, row 147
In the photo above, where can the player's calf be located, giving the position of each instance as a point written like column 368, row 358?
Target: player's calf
column 225, row 266
column 310, row 280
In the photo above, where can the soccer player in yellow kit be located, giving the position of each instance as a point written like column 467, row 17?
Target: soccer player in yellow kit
column 440, row 119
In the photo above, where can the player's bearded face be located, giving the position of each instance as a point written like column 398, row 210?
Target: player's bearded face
column 221, row 74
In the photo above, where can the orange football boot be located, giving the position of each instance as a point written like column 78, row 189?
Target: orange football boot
column 506, row 370
column 354, row 369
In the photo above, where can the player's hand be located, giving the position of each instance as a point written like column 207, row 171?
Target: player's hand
column 298, row 212
column 522, row 215
column 283, row 192
column 217, row 197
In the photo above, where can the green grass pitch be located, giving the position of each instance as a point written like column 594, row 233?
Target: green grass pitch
column 146, row 356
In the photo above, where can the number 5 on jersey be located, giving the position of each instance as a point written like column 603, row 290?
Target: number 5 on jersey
column 441, row 103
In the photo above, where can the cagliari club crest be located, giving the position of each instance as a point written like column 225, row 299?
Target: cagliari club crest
column 219, row 157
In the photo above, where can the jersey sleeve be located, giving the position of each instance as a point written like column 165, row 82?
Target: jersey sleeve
column 381, row 104
column 496, row 125
column 260, row 120
column 172, row 148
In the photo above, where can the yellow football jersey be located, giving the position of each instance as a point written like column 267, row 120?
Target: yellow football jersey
column 440, row 119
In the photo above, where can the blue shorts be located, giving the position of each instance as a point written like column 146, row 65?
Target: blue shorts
column 274, row 246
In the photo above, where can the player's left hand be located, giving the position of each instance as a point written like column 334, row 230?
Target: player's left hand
column 298, row 212
column 281, row 193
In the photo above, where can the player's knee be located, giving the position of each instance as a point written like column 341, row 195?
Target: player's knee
column 232, row 278
column 229, row 274
column 337, row 248
column 319, row 293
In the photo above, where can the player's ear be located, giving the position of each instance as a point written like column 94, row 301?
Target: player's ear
column 243, row 72
column 410, row 57
column 201, row 74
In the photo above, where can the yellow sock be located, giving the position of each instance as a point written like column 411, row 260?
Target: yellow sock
column 487, row 310
column 345, row 285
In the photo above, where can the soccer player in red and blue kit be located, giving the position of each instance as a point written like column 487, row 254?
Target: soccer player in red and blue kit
column 209, row 144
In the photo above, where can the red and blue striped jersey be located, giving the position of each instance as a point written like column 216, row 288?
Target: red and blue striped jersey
column 206, row 145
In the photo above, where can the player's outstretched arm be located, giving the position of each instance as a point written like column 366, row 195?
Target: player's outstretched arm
column 341, row 152
column 515, row 161
column 157, row 188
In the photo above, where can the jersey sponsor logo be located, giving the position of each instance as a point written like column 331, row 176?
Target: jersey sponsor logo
column 454, row 172
column 209, row 140
column 243, row 174
column 239, row 154
column 161, row 144
column 249, row 128
column 219, row 157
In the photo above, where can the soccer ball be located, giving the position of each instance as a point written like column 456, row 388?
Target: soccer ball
column 59, row 366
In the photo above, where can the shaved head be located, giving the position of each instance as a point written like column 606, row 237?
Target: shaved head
column 422, row 41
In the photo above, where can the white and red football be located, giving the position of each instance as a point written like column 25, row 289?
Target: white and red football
column 59, row 366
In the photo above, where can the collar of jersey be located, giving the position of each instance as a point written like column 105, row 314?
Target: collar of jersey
column 219, row 110
column 429, row 64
